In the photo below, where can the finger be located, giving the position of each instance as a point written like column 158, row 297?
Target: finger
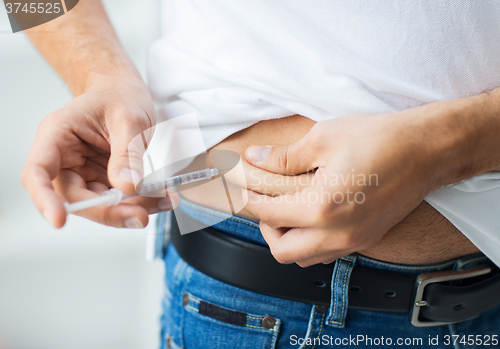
column 272, row 237
column 264, row 182
column 37, row 180
column 42, row 165
column 326, row 258
column 156, row 204
column 132, row 213
column 289, row 210
column 284, row 248
column 100, row 160
column 93, row 172
column 128, row 141
column 55, row 146
column 152, row 204
column 166, row 201
column 304, row 246
column 291, row 159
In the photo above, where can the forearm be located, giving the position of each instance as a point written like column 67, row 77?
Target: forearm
column 462, row 136
column 82, row 46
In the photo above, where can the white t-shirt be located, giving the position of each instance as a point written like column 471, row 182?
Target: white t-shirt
column 237, row 62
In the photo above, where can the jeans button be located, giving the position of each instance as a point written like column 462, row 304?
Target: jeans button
column 185, row 299
column 321, row 308
column 268, row 322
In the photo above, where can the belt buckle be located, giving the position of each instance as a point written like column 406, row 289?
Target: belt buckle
column 441, row 276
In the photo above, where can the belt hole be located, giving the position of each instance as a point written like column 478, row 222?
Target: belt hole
column 320, row 283
column 459, row 307
column 390, row 294
column 355, row 289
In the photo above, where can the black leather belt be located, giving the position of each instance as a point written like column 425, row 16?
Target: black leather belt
column 436, row 298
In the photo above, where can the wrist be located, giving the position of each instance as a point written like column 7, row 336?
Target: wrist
column 112, row 77
column 123, row 82
column 461, row 138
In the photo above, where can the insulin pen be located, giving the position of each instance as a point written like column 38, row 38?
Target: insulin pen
column 114, row 196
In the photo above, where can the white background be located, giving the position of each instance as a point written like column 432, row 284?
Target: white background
column 84, row 286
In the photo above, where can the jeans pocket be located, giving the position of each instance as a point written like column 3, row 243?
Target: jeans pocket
column 208, row 325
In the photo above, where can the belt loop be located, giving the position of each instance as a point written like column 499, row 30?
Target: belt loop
column 339, row 291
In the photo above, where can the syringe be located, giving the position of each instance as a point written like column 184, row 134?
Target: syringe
column 114, row 196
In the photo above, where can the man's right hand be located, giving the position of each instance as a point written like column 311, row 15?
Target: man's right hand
column 82, row 149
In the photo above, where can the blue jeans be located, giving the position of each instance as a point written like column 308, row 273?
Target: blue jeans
column 201, row 312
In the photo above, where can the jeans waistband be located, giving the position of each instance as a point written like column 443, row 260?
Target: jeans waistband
column 248, row 230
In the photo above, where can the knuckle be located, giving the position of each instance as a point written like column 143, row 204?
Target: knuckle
column 321, row 214
column 347, row 240
column 48, row 122
column 311, row 139
column 280, row 255
column 303, row 264
column 45, row 121
column 272, row 223
column 263, row 214
column 267, row 217
column 282, row 159
column 134, row 152
column 24, row 176
column 140, row 120
column 105, row 219
column 108, row 217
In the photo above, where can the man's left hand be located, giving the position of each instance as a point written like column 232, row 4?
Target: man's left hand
column 371, row 171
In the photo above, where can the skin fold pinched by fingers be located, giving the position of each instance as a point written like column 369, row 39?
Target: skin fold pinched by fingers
column 424, row 236
column 272, row 184
column 333, row 227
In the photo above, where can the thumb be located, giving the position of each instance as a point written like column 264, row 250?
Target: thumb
column 128, row 143
column 289, row 159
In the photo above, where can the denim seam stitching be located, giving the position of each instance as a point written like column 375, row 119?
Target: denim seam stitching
column 256, row 318
column 260, row 327
column 219, row 321
column 310, row 327
column 175, row 345
column 182, row 318
column 343, row 296
column 193, row 298
column 343, row 288
column 334, row 297
column 215, row 213
column 246, row 325
column 313, row 322
column 275, row 334
column 193, row 308
column 405, row 267
column 471, row 261
column 320, row 329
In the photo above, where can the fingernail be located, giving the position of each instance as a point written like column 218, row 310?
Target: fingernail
column 134, row 223
column 165, row 204
column 258, row 154
column 128, row 175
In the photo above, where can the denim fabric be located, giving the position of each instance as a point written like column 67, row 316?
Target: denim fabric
column 188, row 293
